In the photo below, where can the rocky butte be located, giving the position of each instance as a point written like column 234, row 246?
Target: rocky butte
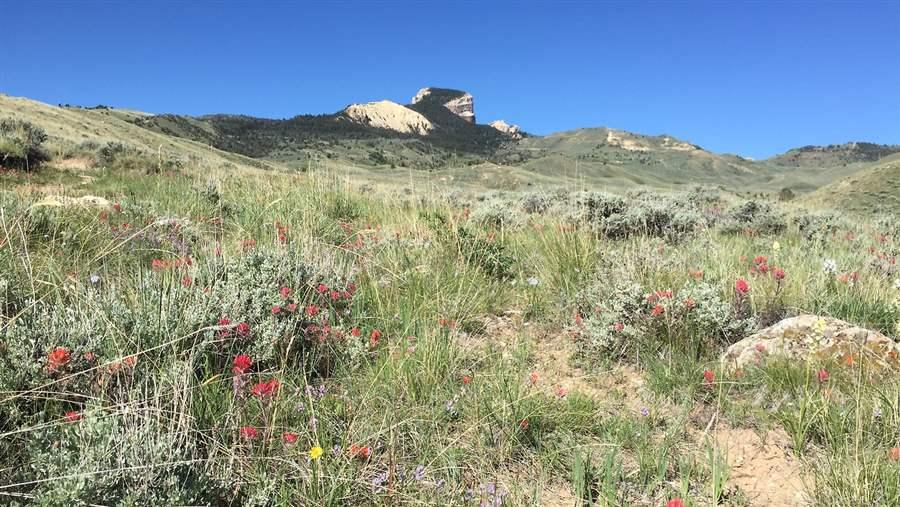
column 460, row 103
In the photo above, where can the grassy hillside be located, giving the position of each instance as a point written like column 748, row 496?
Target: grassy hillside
column 870, row 190
column 835, row 155
column 75, row 132
column 459, row 155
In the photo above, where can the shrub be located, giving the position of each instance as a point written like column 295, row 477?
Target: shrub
column 535, row 203
column 489, row 255
column 642, row 214
column 122, row 156
column 624, row 320
column 20, row 144
column 753, row 217
column 786, row 194
column 496, row 214
column 819, row 227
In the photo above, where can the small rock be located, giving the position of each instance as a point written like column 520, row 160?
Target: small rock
column 808, row 337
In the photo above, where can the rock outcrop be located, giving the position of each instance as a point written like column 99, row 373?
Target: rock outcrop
column 460, row 103
column 389, row 115
column 56, row 201
column 513, row 131
column 811, row 337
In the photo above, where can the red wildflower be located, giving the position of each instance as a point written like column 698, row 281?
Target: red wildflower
column 224, row 322
column 619, row 327
column 312, row 310
column 187, row 281
column 130, row 361
column 265, row 389
column 778, row 274
column 741, row 286
column 523, row 424
column 560, row 392
column 276, row 310
column 658, row 310
column 57, row 358
column 285, row 292
column 242, row 363
column 689, row 303
column 291, row 307
column 249, row 433
column 360, row 451
column 823, row 376
column 675, row 502
column 72, row 416
column 709, row 377
column 243, row 329
column 894, row 454
column 579, row 320
column 374, row 337
column 335, row 295
column 697, row 274
column 466, row 379
column 322, row 288
column 90, row 357
column 117, row 207
column 533, row 377
column 290, row 438
column 355, row 332
column 351, row 288
column 158, row 264
column 760, row 259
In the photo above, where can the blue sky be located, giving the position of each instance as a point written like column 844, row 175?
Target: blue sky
column 754, row 78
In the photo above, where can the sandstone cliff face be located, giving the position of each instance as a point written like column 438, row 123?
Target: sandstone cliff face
column 389, row 115
column 513, row 131
column 460, row 103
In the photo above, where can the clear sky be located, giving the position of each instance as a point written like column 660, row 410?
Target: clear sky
column 753, row 78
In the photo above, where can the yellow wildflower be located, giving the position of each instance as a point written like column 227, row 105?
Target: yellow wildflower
column 819, row 326
column 315, row 452
column 776, row 246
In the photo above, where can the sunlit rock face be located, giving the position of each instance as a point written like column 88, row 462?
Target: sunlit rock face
column 460, row 103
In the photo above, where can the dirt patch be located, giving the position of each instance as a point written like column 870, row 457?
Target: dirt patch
column 763, row 468
column 622, row 386
column 558, row 495
column 75, row 163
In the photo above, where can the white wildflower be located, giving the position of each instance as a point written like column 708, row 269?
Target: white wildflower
column 829, row 266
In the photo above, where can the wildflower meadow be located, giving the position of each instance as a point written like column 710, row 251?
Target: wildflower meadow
column 266, row 338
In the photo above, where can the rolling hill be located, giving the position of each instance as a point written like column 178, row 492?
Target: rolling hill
column 875, row 189
column 435, row 140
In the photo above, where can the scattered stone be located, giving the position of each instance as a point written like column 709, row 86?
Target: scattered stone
column 807, row 337
column 63, row 201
